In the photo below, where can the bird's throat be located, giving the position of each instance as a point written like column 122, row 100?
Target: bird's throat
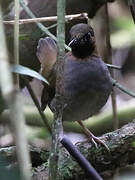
column 82, row 51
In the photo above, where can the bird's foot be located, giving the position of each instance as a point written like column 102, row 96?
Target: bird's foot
column 91, row 138
column 95, row 140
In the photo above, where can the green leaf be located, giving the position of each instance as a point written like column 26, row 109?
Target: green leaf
column 19, row 69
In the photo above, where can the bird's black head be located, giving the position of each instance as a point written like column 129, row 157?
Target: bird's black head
column 82, row 40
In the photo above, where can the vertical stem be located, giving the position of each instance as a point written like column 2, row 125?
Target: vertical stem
column 16, row 39
column 61, row 26
column 19, row 129
column 109, row 58
column 6, row 82
column 12, row 98
column 57, row 131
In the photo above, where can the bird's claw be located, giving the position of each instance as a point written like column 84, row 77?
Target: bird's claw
column 96, row 140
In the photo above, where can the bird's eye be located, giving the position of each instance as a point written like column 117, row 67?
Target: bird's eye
column 87, row 36
column 75, row 41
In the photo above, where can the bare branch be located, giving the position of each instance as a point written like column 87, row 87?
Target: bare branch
column 68, row 18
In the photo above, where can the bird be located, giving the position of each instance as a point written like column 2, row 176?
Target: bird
column 86, row 82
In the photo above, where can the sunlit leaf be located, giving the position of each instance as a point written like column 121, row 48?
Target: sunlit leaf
column 28, row 72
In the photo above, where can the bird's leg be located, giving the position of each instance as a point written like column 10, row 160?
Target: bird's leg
column 91, row 136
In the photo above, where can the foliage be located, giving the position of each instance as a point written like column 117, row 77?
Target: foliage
column 28, row 72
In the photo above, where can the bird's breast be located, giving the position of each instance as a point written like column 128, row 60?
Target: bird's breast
column 87, row 85
column 86, row 77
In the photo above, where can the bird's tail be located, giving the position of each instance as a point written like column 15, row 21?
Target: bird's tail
column 46, row 53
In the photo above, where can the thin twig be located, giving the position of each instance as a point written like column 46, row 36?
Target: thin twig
column 125, row 90
column 34, row 98
column 12, row 98
column 52, row 26
column 109, row 52
column 40, row 25
column 68, row 18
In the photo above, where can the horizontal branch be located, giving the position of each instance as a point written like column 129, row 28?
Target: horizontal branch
column 121, row 145
column 49, row 19
column 33, row 118
column 122, row 151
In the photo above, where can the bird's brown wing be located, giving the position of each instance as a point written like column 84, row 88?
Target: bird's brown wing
column 47, row 54
column 48, row 92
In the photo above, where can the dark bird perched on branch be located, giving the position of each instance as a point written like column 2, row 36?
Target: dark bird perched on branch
column 86, row 83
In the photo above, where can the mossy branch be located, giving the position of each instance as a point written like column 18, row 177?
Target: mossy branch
column 122, row 150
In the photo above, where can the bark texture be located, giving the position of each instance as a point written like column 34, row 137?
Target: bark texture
column 122, row 152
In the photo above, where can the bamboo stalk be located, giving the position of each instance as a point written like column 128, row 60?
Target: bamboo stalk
column 57, row 131
column 48, row 19
column 12, row 98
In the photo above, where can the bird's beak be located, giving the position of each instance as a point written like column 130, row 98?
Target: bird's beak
column 71, row 42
